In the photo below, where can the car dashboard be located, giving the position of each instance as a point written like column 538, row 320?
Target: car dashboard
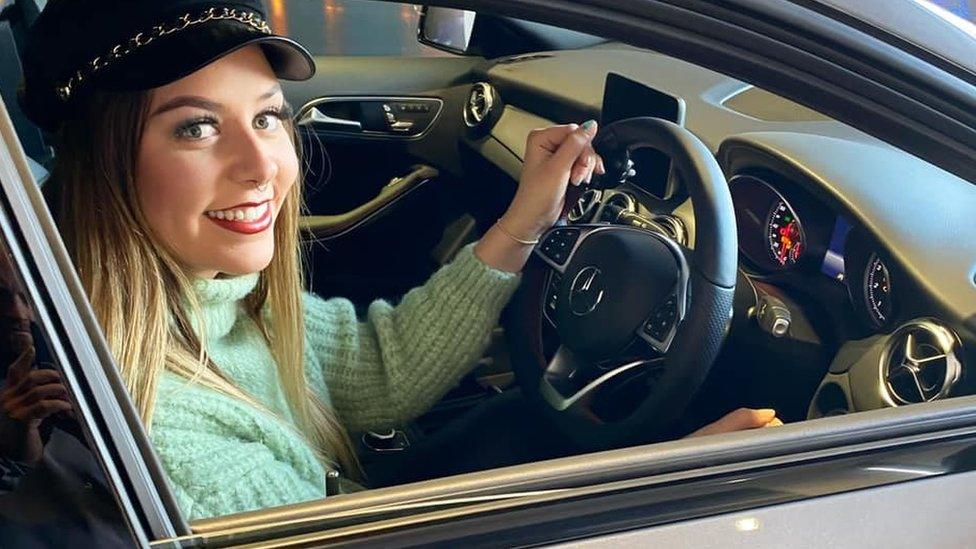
column 866, row 247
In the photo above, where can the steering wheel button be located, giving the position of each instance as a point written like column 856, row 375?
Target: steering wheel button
column 654, row 331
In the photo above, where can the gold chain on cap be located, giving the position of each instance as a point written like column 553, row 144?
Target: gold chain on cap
column 145, row 38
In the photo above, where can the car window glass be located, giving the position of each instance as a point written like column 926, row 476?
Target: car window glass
column 63, row 494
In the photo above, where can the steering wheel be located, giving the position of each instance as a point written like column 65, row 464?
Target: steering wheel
column 614, row 328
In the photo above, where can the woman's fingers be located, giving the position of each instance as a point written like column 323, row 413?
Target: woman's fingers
column 568, row 147
column 591, row 163
column 580, row 171
column 746, row 418
column 573, row 144
column 544, row 142
column 590, row 167
column 740, row 420
column 585, row 166
column 776, row 422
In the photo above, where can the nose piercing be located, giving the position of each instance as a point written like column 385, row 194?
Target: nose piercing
column 263, row 186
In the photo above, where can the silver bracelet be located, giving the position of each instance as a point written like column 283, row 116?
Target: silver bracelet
column 513, row 237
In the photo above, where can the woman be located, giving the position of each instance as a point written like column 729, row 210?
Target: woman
column 177, row 192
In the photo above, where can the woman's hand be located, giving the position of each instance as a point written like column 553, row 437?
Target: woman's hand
column 554, row 157
column 740, row 420
column 29, row 396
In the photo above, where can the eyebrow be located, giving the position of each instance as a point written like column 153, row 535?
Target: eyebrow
column 204, row 103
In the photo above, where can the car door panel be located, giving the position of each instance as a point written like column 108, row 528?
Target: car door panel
column 372, row 117
column 380, row 138
column 328, row 227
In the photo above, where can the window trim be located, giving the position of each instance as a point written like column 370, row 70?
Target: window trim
column 881, row 24
column 624, row 507
column 519, row 489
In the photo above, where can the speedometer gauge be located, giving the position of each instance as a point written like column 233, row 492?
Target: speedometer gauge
column 877, row 290
column 784, row 234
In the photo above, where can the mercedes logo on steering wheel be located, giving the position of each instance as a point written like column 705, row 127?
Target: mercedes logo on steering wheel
column 587, row 291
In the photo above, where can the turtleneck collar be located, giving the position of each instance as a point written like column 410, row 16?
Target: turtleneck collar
column 220, row 300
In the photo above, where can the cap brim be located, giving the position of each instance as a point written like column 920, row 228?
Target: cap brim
column 289, row 59
column 181, row 54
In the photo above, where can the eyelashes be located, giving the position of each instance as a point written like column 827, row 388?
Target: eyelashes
column 201, row 127
column 283, row 111
column 192, row 129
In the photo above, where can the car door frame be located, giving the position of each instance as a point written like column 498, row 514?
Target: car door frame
column 100, row 400
column 669, row 27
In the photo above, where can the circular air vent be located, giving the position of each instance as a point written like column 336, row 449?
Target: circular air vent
column 920, row 363
column 585, row 206
column 479, row 104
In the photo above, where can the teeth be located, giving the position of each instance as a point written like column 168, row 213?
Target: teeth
column 240, row 214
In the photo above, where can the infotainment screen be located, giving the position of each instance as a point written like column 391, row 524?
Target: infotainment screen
column 625, row 98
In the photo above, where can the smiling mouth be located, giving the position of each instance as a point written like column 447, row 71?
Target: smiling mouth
column 245, row 220
column 245, row 213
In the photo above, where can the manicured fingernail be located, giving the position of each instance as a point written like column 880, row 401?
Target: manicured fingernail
column 589, row 126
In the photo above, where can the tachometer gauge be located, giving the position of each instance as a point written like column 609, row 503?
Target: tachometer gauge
column 784, row 234
column 877, row 290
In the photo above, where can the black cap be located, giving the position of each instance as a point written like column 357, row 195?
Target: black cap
column 77, row 46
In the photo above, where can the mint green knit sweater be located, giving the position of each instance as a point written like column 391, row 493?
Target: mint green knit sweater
column 223, row 456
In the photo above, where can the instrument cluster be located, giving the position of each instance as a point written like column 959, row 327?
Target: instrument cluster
column 782, row 229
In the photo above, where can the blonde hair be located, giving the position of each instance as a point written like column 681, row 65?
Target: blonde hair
column 144, row 299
